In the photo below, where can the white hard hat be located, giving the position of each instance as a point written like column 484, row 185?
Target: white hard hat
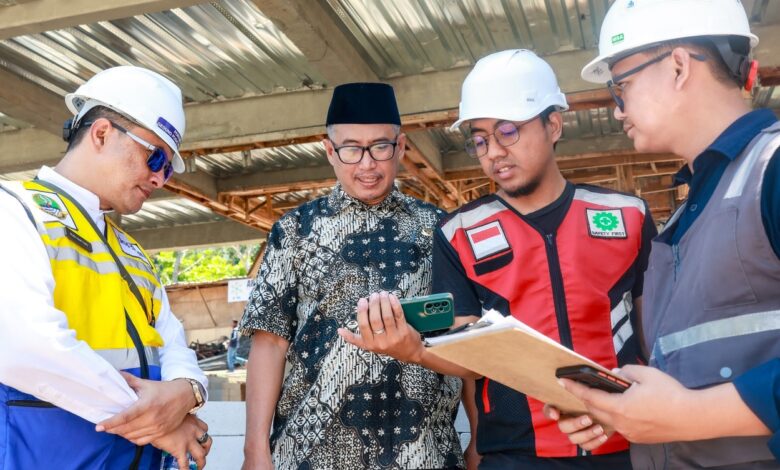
column 145, row 97
column 515, row 85
column 632, row 25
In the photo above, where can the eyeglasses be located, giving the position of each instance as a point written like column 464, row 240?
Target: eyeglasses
column 615, row 85
column 353, row 154
column 157, row 160
column 506, row 134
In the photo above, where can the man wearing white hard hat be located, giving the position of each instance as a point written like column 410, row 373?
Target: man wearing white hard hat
column 93, row 364
column 712, row 291
column 566, row 259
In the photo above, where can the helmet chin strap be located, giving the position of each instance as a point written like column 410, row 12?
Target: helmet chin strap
column 68, row 130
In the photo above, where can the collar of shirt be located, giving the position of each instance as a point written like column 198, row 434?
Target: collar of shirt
column 339, row 200
column 729, row 144
column 88, row 200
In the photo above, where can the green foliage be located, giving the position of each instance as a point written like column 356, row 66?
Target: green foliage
column 205, row 264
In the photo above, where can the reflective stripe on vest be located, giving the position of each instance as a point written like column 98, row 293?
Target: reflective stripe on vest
column 750, row 323
column 124, row 359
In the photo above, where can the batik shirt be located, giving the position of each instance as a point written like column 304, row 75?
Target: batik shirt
column 342, row 407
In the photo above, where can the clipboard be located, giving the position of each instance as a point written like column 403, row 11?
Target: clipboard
column 512, row 353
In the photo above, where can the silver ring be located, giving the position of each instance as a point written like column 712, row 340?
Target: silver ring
column 379, row 331
column 203, row 439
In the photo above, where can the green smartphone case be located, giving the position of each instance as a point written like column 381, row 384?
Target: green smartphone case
column 429, row 313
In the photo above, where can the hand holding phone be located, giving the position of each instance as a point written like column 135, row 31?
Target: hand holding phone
column 593, row 378
column 429, row 313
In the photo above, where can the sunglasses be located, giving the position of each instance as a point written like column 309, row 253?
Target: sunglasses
column 157, row 160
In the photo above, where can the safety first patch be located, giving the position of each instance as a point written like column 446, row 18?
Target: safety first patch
column 52, row 207
column 130, row 248
column 606, row 223
column 487, row 240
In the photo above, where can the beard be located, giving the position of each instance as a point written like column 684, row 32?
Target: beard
column 525, row 189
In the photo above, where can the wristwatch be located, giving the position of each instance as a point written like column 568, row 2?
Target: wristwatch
column 197, row 390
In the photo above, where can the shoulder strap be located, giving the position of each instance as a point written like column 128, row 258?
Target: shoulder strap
column 767, row 140
column 122, row 270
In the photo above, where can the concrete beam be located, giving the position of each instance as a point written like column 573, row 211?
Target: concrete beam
column 202, row 182
column 46, row 15
column 196, row 235
column 427, row 147
column 24, row 100
column 28, row 149
column 313, row 28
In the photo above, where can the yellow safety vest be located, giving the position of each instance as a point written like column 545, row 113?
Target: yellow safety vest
column 89, row 285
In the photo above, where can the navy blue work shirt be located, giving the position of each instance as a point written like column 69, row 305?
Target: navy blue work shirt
column 760, row 389
column 709, row 167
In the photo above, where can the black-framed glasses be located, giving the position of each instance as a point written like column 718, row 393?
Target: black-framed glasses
column 506, row 134
column 615, row 85
column 157, row 160
column 353, row 154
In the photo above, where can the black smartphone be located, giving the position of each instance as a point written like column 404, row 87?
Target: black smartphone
column 594, row 378
column 430, row 313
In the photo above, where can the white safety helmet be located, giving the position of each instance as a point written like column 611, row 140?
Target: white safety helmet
column 143, row 96
column 515, row 85
column 633, row 25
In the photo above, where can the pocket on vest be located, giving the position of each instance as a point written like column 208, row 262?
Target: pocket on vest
column 722, row 274
column 493, row 264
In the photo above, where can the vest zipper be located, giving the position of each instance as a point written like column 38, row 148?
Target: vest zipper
column 675, row 260
column 559, row 297
column 30, row 403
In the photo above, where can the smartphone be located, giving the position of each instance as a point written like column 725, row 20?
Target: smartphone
column 430, row 313
column 594, row 378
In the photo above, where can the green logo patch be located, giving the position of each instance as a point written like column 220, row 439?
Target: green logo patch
column 617, row 38
column 49, row 205
column 606, row 223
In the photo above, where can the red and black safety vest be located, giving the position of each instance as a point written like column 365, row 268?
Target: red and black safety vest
column 575, row 285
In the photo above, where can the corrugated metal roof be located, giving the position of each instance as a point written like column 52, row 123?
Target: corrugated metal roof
column 168, row 213
column 269, row 159
column 407, row 37
column 218, row 50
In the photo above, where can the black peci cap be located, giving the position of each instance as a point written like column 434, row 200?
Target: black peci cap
column 363, row 103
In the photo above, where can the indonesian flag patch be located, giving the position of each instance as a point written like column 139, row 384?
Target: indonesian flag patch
column 487, row 240
column 606, row 223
